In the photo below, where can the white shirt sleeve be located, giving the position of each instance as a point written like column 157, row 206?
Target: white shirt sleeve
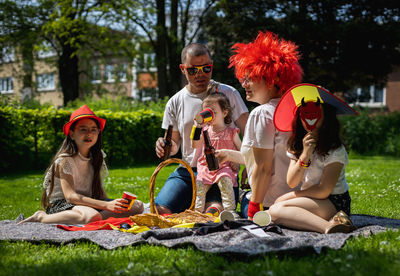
column 260, row 130
column 338, row 155
column 169, row 117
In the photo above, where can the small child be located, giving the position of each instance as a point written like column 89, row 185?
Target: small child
column 73, row 185
column 222, row 136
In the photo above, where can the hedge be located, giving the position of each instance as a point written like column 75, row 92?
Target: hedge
column 30, row 137
column 372, row 133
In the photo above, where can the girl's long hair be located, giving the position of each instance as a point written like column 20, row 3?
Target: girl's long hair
column 328, row 136
column 69, row 147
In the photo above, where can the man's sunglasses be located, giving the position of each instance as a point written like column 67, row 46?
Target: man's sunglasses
column 206, row 69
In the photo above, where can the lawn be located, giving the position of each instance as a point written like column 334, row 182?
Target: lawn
column 374, row 187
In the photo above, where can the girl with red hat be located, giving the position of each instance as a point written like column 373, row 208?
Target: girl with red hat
column 73, row 186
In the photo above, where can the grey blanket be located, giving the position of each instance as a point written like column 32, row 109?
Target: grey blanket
column 238, row 241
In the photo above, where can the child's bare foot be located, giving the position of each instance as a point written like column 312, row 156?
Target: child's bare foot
column 36, row 217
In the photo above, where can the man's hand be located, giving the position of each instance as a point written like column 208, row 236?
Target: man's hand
column 160, row 147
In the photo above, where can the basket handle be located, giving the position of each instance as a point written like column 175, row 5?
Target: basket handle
column 153, row 210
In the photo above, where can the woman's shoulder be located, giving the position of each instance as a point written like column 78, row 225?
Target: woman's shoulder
column 265, row 110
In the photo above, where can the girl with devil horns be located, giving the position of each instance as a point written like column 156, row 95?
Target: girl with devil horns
column 318, row 161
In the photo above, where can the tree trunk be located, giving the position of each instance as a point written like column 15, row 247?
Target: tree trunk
column 68, row 72
column 174, row 51
column 161, row 51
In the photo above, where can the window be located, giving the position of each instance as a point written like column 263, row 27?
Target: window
column 96, row 74
column 122, row 72
column 372, row 96
column 6, row 85
column 46, row 51
column 7, row 55
column 46, row 82
column 109, row 73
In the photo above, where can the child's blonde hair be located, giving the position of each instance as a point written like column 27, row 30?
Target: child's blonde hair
column 223, row 102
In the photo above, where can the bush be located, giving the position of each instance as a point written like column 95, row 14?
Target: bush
column 30, row 137
column 372, row 133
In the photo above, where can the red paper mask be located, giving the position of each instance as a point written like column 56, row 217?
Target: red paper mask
column 310, row 113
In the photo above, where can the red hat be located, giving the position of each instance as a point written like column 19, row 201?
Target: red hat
column 83, row 112
column 304, row 92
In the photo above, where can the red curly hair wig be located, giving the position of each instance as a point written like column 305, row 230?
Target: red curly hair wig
column 269, row 58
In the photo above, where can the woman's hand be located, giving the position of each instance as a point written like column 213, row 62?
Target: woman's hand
column 222, row 155
column 117, row 205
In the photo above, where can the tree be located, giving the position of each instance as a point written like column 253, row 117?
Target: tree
column 343, row 43
column 75, row 29
column 168, row 26
column 21, row 27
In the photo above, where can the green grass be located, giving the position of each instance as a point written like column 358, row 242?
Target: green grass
column 374, row 187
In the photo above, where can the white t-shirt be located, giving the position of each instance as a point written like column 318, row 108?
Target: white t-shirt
column 260, row 132
column 313, row 174
column 183, row 106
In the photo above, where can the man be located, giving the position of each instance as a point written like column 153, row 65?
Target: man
column 176, row 195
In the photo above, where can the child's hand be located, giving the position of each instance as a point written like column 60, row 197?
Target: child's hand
column 117, row 205
column 244, row 181
column 309, row 143
column 235, row 166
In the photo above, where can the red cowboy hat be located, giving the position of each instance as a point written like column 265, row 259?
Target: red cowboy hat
column 292, row 99
column 83, row 112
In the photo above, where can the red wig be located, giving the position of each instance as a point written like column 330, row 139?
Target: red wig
column 269, row 58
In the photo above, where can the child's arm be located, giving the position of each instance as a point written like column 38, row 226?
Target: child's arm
column 197, row 143
column 297, row 167
column 237, row 141
column 322, row 190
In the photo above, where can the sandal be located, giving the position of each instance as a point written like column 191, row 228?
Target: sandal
column 340, row 223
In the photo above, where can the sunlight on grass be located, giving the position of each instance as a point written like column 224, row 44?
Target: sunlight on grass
column 374, row 187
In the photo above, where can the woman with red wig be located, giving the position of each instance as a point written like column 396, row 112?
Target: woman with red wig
column 266, row 68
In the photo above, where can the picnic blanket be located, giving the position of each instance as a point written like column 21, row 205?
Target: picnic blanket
column 235, row 241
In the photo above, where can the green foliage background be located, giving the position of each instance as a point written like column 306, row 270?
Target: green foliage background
column 30, row 137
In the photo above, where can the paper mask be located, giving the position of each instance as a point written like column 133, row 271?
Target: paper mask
column 310, row 113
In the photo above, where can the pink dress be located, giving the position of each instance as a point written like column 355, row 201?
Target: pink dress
column 219, row 140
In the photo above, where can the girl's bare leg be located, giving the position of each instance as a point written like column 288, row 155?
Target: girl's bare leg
column 303, row 213
column 77, row 215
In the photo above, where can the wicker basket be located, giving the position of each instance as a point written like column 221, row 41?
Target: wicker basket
column 153, row 209
column 155, row 220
